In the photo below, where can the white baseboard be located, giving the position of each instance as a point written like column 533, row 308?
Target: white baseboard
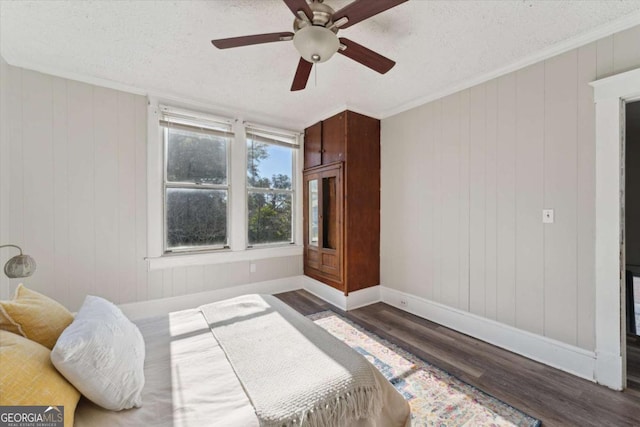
column 363, row 297
column 608, row 368
column 333, row 296
column 565, row 357
column 156, row 307
column 324, row 292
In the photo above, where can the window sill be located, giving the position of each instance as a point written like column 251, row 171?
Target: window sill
column 221, row 257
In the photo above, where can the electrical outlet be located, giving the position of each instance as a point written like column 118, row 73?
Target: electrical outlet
column 252, row 268
column 404, row 302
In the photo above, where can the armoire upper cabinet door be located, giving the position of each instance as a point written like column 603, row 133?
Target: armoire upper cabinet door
column 313, row 146
column 334, row 138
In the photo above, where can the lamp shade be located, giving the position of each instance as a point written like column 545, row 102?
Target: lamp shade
column 316, row 44
column 20, row 265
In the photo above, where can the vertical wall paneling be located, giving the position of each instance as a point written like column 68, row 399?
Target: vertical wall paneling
column 195, row 279
column 490, row 243
column 477, row 199
column 167, row 283
column 61, row 257
column 37, row 147
column 394, row 243
column 16, row 176
column 105, row 125
column 127, row 190
column 463, row 232
column 81, row 191
column 585, row 221
column 450, row 173
column 505, row 201
column 604, row 57
column 216, row 276
column 529, row 198
column 76, row 158
column 626, row 55
column 4, row 170
column 179, row 280
column 142, row 278
column 524, row 142
column 388, row 239
column 424, row 231
column 155, row 283
column 410, row 239
column 560, row 194
column 436, row 201
column 211, row 277
column 426, row 194
column 387, row 265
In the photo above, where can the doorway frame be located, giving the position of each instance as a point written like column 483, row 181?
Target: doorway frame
column 610, row 96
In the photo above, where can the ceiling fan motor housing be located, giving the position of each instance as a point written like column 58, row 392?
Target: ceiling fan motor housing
column 322, row 15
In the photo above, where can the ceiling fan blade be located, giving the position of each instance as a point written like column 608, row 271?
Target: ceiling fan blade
column 365, row 56
column 359, row 10
column 249, row 40
column 296, row 5
column 302, row 75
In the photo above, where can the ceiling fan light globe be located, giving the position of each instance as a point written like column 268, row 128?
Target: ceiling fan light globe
column 316, row 44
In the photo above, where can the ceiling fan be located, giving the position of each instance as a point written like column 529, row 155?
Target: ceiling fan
column 315, row 35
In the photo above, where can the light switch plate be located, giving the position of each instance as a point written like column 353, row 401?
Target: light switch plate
column 547, row 216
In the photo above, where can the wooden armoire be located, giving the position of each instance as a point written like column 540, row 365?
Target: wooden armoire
column 342, row 201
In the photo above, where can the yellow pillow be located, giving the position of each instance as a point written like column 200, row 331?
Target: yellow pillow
column 27, row 377
column 34, row 316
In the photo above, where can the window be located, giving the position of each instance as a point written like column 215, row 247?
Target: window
column 270, row 189
column 196, row 181
column 219, row 189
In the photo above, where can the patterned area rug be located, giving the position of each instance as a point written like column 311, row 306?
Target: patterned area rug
column 436, row 397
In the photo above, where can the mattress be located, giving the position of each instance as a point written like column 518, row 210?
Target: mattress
column 189, row 381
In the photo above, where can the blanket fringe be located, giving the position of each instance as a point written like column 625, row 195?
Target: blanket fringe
column 342, row 410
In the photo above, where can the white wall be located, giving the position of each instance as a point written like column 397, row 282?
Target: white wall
column 77, row 200
column 464, row 182
column 4, row 172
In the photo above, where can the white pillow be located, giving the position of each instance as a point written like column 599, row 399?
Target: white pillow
column 102, row 354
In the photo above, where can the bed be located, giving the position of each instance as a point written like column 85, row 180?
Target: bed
column 192, row 379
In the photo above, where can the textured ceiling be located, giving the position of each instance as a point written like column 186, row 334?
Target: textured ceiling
column 163, row 47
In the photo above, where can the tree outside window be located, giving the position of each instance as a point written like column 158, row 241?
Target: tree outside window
column 270, row 166
column 196, row 188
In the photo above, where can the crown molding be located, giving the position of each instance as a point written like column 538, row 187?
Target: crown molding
column 163, row 95
column 606, row 30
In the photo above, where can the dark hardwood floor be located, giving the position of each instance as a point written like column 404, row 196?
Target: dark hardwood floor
column 553, row 396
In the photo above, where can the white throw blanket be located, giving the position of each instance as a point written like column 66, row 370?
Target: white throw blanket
column 294, row 372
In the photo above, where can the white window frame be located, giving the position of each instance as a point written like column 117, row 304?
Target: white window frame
column 285, row 139
column 237, row 202
column 194, row 119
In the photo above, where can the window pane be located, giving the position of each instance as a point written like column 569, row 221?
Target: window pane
column 269, row 218
column 268, row 165
column 196, row 157
column 196, row 217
